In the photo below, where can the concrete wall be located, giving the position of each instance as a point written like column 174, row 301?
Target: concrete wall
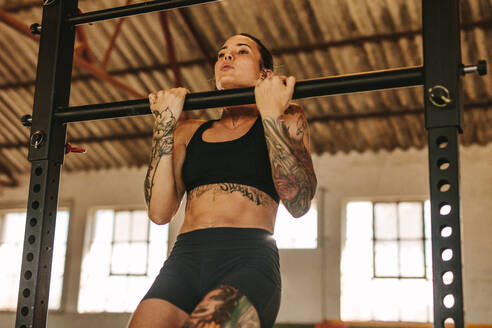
column 311, row 278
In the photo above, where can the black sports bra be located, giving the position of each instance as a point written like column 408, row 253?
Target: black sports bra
column 243, row 161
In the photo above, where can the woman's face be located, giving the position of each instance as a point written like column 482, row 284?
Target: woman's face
column 238, row 63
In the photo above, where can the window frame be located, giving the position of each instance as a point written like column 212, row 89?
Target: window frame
column 398, row 240
column 345, row 201
column 113, row 242
column 88, row 237
column 63, row 205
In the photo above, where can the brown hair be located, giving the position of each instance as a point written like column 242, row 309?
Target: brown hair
column 266, row 55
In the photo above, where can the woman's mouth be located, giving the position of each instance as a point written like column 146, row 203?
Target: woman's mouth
column 226, row 67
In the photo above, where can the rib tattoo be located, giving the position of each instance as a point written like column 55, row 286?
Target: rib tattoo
column 292, row 167
column 252, row 194
column 162, row 144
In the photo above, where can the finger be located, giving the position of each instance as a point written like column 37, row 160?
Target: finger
column 160, row 94
column 290, row 82
column 183, row 91
column 152, row 98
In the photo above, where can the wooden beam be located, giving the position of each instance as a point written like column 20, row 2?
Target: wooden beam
column 22, row 28
column 171, row 52
column 487, row 23
column 196, row 36
column 112, row 42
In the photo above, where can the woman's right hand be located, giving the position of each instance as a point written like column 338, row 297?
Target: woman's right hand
column 167, row 104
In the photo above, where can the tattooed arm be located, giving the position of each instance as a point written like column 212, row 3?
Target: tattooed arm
column 287, row 138
column 163, row 185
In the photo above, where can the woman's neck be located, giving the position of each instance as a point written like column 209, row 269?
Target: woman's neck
column 234, row 116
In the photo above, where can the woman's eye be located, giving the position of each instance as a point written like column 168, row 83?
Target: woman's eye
column 243, row 51
column 220, row 55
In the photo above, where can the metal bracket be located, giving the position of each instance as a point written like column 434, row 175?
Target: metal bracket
column 439, row 96
column 38, row 138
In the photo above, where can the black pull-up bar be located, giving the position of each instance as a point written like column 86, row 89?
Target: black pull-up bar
column 377, row 80
column 131, row 10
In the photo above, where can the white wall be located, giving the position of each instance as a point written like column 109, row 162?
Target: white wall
column 311, row 278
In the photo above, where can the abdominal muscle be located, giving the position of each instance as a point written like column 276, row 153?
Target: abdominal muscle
column 228, row 205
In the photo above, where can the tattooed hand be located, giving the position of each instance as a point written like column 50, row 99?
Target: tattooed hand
column 273, row 95
column 166, row 106
column 167, row 103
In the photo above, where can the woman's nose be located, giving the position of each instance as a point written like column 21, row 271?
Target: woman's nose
column 228, row 56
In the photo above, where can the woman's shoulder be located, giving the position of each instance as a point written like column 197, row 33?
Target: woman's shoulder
column 186, row 129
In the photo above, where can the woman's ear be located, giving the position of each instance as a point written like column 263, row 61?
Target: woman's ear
column 266, row 73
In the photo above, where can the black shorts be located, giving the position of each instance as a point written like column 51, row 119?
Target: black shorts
column 202, row 260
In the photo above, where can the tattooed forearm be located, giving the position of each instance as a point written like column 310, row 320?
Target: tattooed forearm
column 252, row 194
column 292, row 167
column 162, row 144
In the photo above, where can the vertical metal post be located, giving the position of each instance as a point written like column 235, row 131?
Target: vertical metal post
column 443, row 114
column 46, row 153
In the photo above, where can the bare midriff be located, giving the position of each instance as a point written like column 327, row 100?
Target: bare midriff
column 216, row 205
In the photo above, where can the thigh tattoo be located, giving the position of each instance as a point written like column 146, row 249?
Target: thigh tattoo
column 224, row 307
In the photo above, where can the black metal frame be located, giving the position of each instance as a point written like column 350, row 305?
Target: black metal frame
column 444, row 116
column 46, row 155
column 443, row 109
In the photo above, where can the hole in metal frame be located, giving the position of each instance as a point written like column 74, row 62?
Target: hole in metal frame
column 444, row 186
column 443, row 164
column 448, row 322
column 35, row 205
column 447, row 277
column 38, row 171
column 444, row 209
column 446, row 231
column 447, row 254
column 442, row 142
column 448, row 301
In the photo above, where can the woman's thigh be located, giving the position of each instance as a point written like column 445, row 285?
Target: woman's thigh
column 224, row 307
column 157, row 313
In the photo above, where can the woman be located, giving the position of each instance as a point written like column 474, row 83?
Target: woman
column 223, row 270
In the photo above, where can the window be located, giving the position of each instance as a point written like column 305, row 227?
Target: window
column 125, row 253
column 296, row 233
column 399, row 240
column 386, row 262
column 12, row 228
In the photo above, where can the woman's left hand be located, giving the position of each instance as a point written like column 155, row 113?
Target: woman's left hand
column 273, row 95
